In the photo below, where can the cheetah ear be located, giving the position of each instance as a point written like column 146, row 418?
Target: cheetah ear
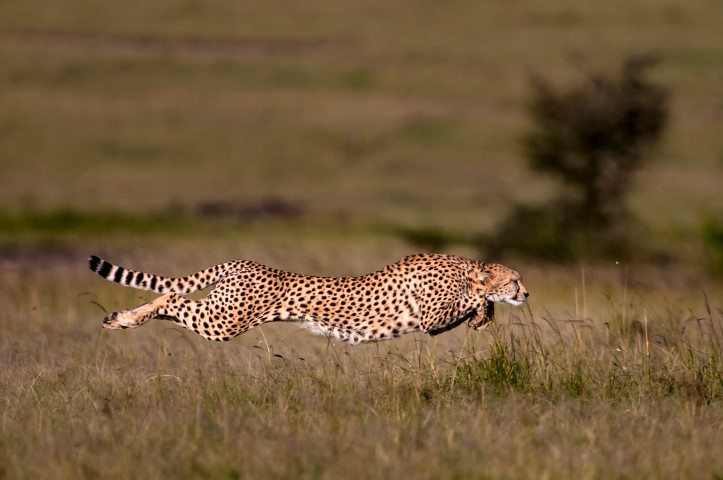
column 483, row 276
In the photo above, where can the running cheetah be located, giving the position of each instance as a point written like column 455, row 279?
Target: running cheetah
column 430, row 293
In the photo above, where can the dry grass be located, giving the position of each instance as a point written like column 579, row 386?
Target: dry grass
column 627, row 383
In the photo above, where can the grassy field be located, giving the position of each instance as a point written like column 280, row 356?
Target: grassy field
column 172, row 135
column 618, row 375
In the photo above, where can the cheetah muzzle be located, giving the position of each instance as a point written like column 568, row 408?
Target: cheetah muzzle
column 427, row 292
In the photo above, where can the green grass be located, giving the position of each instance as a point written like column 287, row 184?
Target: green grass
column 65, row 221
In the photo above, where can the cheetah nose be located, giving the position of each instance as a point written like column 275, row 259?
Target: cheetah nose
column 527, row 294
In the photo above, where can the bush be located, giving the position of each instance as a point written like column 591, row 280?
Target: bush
column 713, row 239
column 592, row 137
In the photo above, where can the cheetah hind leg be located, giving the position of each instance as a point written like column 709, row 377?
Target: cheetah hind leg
column 135, row 317
column 484, row 318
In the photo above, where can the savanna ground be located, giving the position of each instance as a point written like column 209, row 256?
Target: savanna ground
column 171, row 135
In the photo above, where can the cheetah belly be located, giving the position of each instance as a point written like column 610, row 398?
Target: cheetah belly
column 337, row 333
column 366, row 332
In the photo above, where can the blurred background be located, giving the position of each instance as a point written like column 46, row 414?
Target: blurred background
column 397, row 124
column 333, row 138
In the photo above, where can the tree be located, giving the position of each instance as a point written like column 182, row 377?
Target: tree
column 593, row 137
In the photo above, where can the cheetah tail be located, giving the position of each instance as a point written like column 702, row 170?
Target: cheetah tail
column 158, row 283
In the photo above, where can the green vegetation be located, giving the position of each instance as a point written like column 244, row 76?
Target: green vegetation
column 64, row 222
column 593, row 138
column 713, row 239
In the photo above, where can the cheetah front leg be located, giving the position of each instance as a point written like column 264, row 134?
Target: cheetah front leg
column 137, row 316
column 484, row 318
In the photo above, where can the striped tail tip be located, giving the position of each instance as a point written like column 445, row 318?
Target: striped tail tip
column 94, row 263
column 100, row 266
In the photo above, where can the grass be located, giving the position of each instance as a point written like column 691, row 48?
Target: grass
column 65, row 222
column 621, row 379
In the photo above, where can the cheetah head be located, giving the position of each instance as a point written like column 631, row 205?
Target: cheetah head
column 501, row 284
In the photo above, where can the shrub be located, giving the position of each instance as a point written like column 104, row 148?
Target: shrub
column 713, row 239
column 592, row 137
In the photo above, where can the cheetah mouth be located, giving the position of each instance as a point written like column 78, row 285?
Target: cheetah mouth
column 519, row 298
column 514, row 302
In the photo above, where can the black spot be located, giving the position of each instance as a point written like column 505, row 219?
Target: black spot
column 139, row 277
column 129, row 278
column 153, row 283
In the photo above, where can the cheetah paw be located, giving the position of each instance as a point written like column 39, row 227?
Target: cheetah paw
column 120, row 320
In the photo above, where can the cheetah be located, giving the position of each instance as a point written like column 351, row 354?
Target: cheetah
column 431, row 293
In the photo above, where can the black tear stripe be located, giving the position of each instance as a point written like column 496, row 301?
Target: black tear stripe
column 105, row 269
column 118, row 274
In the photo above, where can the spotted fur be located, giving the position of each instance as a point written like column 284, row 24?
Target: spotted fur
column 427, row 292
